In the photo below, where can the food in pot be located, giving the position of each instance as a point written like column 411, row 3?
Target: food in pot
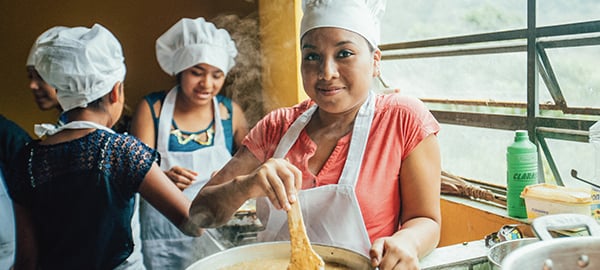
column 264, row 255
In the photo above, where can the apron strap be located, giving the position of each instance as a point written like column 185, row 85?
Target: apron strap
column 219, row 137
column 358, row 142
column 293, row 132
column 166, row 118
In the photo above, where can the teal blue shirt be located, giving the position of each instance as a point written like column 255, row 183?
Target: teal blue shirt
column 174, row 144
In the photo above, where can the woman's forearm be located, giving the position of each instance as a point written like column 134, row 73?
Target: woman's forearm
column 215, row 205
column 422, row 234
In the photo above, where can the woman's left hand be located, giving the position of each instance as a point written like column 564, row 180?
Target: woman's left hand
column 390, row 253
column 181, row 177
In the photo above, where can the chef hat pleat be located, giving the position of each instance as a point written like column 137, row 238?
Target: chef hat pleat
column 360, row 16
column 83, row 64
column 47, row 33
column 194, row 41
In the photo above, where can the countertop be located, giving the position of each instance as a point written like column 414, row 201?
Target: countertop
column 460, row 256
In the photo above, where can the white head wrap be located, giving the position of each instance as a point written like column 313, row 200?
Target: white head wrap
column 50, row 32
column 83, row 64
column 193, row 41
column 359, row 16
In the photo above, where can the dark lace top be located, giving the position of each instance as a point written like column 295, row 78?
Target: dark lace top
column 80, row 195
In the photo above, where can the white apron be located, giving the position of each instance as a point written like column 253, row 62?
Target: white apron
column 164, row 246
column 331, row 213
column 134, row 261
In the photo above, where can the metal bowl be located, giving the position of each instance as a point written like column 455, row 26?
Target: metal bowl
column 279, row 250
column 498, row 252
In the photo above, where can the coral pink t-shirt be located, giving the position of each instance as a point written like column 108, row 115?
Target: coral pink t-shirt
column 400, row 123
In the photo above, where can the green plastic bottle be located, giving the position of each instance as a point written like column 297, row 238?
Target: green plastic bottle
column 522, row 170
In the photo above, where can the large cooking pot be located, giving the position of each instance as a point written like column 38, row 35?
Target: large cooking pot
column 279, row 250
column 557, row 254
column 577, row 252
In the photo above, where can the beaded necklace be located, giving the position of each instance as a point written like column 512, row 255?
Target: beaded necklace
column 203, row 137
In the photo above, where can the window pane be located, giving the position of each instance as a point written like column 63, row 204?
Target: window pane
column 571, row 155
column 553, row 12
column 492, row 77
column 576, row 70
column 414, row 20
column 476, row 153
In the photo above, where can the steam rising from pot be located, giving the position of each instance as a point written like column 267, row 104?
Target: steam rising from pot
column 243, row 82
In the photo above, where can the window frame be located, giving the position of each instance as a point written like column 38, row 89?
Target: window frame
column 534, row 41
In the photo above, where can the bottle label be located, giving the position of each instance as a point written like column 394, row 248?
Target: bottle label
column 524, row 176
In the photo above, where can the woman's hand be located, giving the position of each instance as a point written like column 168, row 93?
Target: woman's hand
column 182, row 177
column 390, row 253
column 277, row 179
column 242, row 178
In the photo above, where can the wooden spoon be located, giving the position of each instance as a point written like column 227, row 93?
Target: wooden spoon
column 303, row 256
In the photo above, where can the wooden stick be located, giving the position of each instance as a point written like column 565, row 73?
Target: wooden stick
column 455, row 185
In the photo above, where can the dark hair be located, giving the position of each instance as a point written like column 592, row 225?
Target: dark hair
column 96, row 103
column 178, row 77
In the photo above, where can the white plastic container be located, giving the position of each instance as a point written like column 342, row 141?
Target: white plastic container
column 547, row 199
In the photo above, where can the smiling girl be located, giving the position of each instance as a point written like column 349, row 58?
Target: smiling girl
column 195, row 129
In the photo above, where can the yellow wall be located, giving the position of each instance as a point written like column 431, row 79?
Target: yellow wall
column 136, row 23
column 463, row 223
column 281, row 53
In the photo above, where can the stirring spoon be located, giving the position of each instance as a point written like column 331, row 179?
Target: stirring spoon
column 303, row 255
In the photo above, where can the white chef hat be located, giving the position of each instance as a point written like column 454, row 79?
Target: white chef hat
column 193, row 41
column 359, row 16
column 47, row 33
column 82, row 63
